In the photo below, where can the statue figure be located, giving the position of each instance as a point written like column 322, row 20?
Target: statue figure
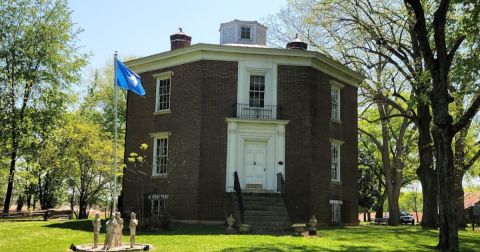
column 96, row 229
column 312, row 223
column 133, row 227
column 118, row 230
column 230, row 222
column 110, row 234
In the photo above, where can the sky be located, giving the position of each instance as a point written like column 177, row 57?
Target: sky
column 143, row 27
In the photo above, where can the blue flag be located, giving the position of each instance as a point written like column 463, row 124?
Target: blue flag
column 127, row 79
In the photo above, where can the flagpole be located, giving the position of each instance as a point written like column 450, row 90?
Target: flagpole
column 115, row 141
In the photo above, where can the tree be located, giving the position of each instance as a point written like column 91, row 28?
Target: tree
column 438, row 55
column 39, row 59
column 88, row 161
column 370, row 182
column 353, row 32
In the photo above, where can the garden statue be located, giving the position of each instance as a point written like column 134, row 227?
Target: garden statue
column 230, row 222
column 133, row 227
column 110, row 234
column 118, row 230
column 96, row 229
column 312, row 223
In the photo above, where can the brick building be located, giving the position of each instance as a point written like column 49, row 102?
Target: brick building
column 279, row 123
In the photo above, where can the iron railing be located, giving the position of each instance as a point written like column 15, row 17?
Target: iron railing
column 270, row 112
column 291, row 206
column 238, row 191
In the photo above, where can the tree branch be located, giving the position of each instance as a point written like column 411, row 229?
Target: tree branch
column 468, row 115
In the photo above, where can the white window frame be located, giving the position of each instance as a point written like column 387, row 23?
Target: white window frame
column 158, row 204
column 336, row 116
column 158, row 78
column 336, row 206
column 257, row 91
column 249, row 32
column 335, row 145
column 156, row 172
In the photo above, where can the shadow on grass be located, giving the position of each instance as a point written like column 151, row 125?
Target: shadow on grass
column 177, row 228
column 79, row 225
column 287, row 247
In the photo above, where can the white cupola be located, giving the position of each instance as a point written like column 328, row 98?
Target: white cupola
column 238, row 32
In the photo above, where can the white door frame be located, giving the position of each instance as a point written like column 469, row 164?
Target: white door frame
column 270, row 131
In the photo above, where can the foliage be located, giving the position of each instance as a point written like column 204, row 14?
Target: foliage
column 39, row 61
column 88, row 161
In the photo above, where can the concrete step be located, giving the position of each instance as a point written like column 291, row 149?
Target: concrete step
column 266, row 219
column 265, row 208
column 265, row 213
column 269, row 224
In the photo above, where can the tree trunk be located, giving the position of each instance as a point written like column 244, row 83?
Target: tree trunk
column 11, row 176
column 425, row 170
column 459, row 164
column 379, row 206
column 20, row 202
column 459, row 197
column 393, row 208
column 82, row 209
column 446, row 194
column 364, row 216
column 29, row 200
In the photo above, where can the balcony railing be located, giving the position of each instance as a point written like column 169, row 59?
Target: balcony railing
column 270, row 112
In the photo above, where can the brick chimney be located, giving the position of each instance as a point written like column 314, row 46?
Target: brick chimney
column 297, row 44
column 179, row 40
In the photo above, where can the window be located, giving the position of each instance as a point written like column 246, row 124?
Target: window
column 158, row 204
column 335, row 161
column 245, row 33
column 160, row 156
column 336, row 211
column 335, row 103
column 257, row 91
column 163, row 95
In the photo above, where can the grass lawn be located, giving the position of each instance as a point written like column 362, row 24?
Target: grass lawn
column 56, row 235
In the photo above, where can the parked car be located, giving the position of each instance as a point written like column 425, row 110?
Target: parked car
column 406, row 218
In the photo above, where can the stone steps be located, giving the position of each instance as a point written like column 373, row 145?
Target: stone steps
column 266, row 213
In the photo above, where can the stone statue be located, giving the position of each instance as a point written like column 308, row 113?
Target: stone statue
column 110, row 234
column 230, row 222
column 96, row 230
column 133, row 228
column 118, row 230
column 312, row 223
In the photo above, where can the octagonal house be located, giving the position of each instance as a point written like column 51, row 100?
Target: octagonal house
column 268, row 134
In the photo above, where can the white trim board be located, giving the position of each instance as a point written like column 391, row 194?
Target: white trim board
column 199, row 52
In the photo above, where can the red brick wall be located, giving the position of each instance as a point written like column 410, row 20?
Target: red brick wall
column 199, row 103
column 202, row 96
column 304, row 95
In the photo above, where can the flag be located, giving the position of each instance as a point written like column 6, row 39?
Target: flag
column 127, row 79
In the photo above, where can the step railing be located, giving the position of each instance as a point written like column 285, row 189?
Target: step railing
column 238, row 191
column 289, row 204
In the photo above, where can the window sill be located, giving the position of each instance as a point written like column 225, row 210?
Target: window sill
column 160, row 176
column 335, row 121
column 162, row 112
column 336, row 182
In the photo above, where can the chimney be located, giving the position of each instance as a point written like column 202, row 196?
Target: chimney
column 297, row 44
column 179, row 40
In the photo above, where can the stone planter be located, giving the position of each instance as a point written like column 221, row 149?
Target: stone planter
column 245, row 229
column 299, row 228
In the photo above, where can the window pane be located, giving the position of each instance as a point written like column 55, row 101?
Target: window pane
column 257, row 91
column 163, row 96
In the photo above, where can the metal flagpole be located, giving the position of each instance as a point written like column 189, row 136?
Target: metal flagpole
column 115, row 141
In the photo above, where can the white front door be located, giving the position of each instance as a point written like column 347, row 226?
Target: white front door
column 255, row 164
